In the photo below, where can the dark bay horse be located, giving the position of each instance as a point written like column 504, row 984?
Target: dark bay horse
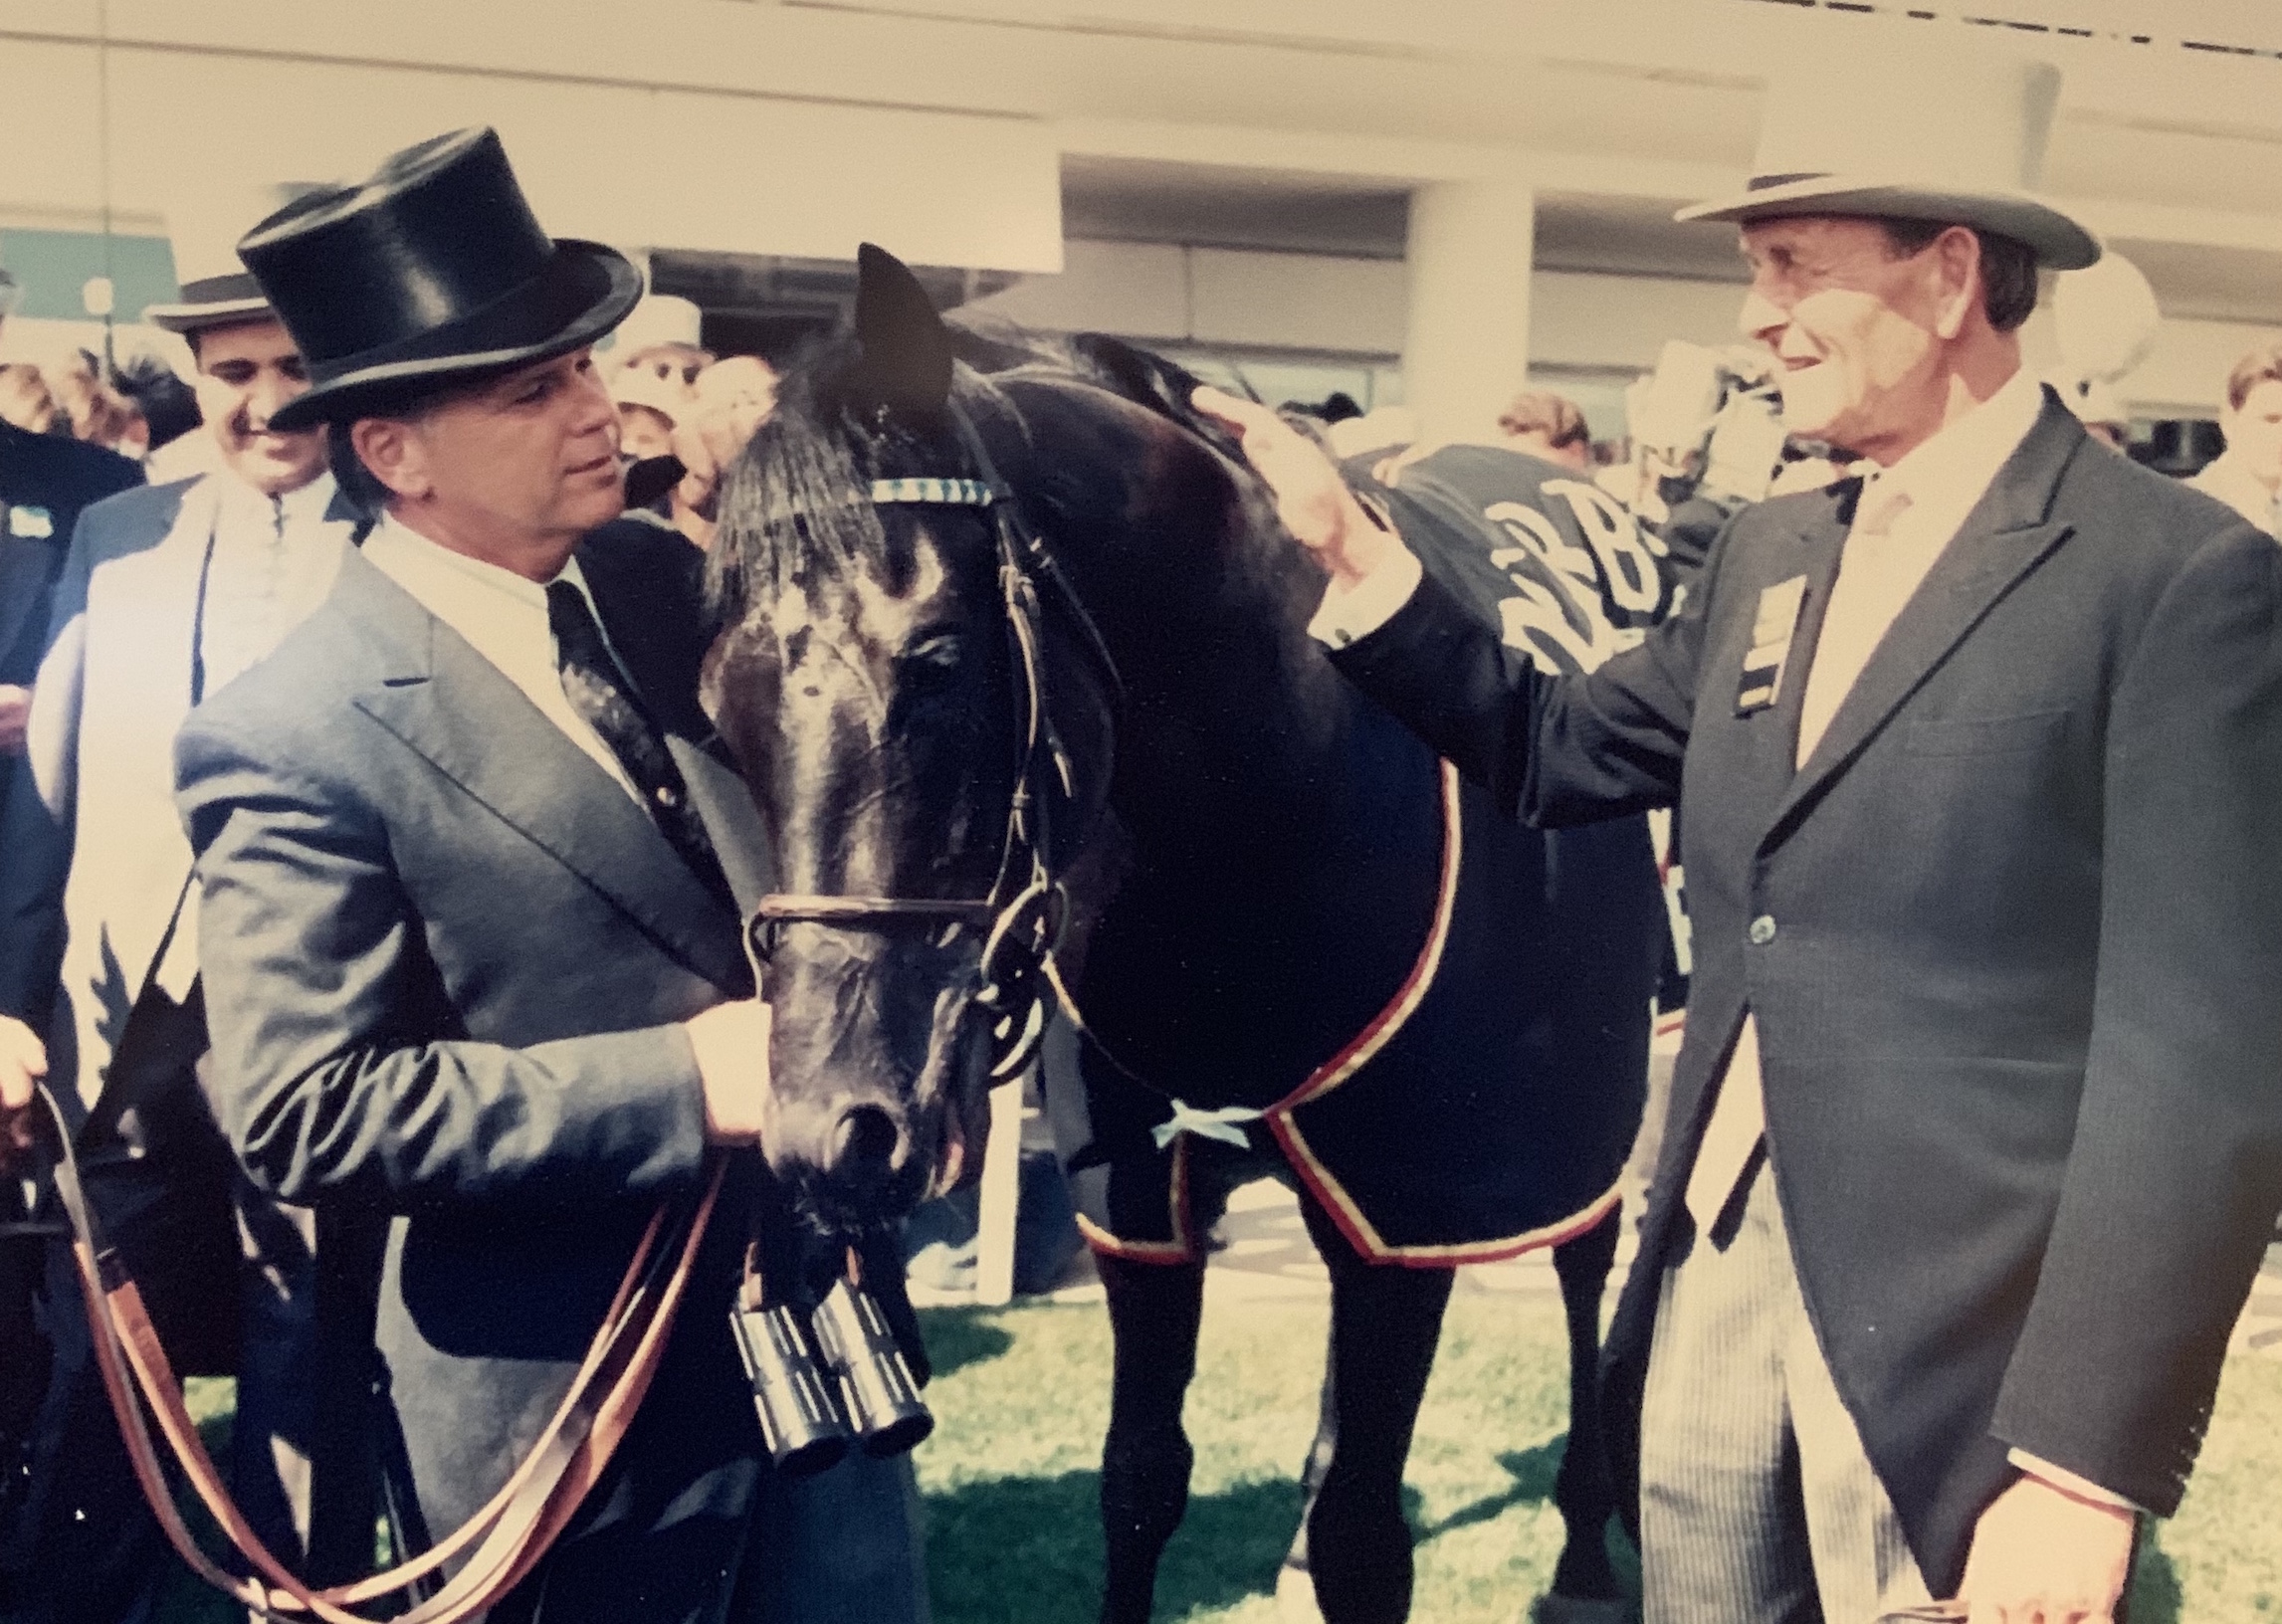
column 1016, row 665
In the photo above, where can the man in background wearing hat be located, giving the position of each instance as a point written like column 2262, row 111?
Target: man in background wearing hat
column 169, row 593
column 2247, row 475
column 661, row 341
column 471, row 959
column 1975, row 1144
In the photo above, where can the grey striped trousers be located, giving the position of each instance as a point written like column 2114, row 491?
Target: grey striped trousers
column 1758, row 1504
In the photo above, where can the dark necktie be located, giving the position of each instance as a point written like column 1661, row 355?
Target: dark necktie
column 596, row 690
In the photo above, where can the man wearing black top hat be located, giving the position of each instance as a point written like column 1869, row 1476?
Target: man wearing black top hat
column 469, row 957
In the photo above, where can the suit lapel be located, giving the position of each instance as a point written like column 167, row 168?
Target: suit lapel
column 449, row 703
column 2008, row 533
column 652, row 604
column 141, row 632
column 158, row 593
column 1815, row 553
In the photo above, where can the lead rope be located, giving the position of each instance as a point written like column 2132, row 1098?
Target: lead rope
column 522, row 1521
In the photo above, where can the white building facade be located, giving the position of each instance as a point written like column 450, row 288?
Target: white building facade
column 1430, row 201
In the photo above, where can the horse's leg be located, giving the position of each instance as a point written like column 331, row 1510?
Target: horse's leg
column 1386, row 1323
column 1295, row 1589
column 1153, row 1315
column 1582, row 1489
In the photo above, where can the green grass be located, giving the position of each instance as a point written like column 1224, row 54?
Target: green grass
column 1022, row 1401
column 1010, row 1476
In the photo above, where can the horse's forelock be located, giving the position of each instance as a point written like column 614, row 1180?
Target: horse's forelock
column 795, row 509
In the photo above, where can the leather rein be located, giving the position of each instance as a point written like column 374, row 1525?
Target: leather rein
column 1025, row 912
column 503, row 1541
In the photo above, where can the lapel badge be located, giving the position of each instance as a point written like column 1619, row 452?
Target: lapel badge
column 35, row 524
column 1772, row 632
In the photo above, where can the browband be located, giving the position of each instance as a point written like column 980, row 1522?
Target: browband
column 949, row 493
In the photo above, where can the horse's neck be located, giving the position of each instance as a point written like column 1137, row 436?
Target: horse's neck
column 1286, row 838
column 1236, row 734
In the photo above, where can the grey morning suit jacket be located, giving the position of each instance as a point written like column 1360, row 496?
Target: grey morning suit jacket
column 2013, row 937
column 446, row 959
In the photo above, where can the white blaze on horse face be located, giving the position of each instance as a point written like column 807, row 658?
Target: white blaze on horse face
column 848, row 641
column 886, row 620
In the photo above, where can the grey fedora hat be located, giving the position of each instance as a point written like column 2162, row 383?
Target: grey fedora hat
column 1915, row 135
column 203, row 230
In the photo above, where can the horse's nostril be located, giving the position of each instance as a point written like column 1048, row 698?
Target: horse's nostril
column 864, row 1142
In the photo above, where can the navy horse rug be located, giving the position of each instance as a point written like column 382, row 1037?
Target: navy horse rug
column 1472, row 1086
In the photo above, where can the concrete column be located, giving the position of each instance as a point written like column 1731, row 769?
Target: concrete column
column 1466, row 351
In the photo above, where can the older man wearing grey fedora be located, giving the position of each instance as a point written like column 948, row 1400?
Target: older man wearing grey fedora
column 1975, row 1140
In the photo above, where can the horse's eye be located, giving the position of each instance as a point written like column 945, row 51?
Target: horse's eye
column 942, row 651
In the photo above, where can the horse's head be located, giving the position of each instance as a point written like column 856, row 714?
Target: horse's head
column 882, row 686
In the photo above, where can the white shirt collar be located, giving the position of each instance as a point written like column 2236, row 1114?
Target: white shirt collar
column 1946, row 475
column 439, row 570
column 502, row 616
column 303, row 508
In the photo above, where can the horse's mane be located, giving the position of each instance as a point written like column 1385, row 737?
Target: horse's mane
column 793, row 507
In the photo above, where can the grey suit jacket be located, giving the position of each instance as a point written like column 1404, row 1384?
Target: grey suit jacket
column 2013, row 937
column 446, row 961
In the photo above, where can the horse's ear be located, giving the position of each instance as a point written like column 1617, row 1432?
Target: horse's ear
column 906, row 360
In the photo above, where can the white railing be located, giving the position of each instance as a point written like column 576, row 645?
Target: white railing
column 2244, row 27
column 2249, row 26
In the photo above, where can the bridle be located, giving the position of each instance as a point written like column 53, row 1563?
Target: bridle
column 1027, row 909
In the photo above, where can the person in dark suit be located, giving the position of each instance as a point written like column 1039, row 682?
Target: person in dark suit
column 45, row 480
column 1975, row 1140
column 471, row 959
column 169, row 591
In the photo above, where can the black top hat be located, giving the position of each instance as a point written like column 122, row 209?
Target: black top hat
column 429, row 274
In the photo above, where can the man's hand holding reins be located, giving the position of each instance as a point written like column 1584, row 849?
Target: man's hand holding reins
column 23, row 1063
column 1314, row 502
column 730, row 1044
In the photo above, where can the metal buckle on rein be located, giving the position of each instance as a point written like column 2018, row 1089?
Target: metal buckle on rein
column 1014, row 955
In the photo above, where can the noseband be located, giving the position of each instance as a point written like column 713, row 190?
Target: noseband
column 1027, row 908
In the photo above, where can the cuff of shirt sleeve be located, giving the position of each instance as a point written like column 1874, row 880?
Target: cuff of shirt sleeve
column 1347, row 615
column 2069, row 1483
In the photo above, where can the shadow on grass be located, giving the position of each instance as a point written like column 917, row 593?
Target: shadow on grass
column 1533, row 1472
column 2155, row 1594
column 1031, row 1549
column 958, row 1337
